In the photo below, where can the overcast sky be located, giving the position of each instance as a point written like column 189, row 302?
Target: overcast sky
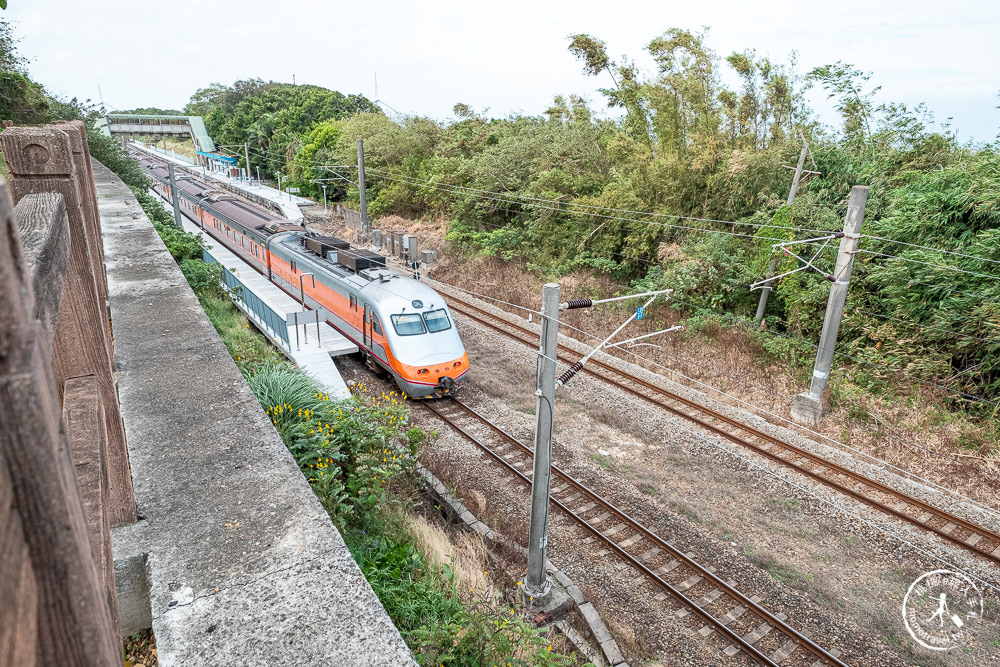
column 509, row 57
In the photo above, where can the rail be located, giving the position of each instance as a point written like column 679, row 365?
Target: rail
column 587, row 501
column 977, row 539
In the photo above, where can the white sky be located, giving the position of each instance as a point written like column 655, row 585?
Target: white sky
column 508, row 57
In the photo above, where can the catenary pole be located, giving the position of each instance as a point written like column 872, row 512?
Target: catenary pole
column 365, row 230
column 246, row 153
column 766, row 289
column 173, row 195
column 536, row 583
column 807, row 407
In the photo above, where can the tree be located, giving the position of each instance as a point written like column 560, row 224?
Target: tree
column 847, row 84
column 10, row 59
column 628, row 93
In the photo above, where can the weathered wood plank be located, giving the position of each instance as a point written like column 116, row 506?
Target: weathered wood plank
column 45, row 240
column 40, row 160
column 18, row 599
column 72, row 611
column 77, row 133
column 83, row 422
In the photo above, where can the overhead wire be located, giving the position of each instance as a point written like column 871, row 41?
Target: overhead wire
column 526, row 198
column 559, row 208
column 924, row 247
column 785, row 477
column 940, row 266
column 844, row 510
column 760, row 409
column 569, row 207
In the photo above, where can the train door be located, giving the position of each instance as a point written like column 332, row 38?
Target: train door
column 366, row 328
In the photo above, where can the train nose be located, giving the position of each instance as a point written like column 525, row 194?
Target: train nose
column 445, row 386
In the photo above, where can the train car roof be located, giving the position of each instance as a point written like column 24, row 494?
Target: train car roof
column 384, row 288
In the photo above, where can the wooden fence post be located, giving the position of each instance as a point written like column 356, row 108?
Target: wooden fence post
column 77, row 132
column 83, row 422
column 41, row 160
column 73, row 623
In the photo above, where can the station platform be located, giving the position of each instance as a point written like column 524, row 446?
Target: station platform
column 309, row 345
column 288, row 203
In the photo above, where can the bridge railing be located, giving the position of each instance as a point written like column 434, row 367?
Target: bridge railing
column 64, row 471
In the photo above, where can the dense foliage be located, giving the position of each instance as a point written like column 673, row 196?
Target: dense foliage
column 687, row 190
column 23, row 100
column 269, row 116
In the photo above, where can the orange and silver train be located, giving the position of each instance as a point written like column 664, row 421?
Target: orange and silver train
column 400, row 325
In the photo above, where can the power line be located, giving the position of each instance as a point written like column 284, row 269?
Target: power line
column 591, row 206
column 925, row 327
column 924, row 247
column 560, row 207
column 764, row 411
column 940, row 266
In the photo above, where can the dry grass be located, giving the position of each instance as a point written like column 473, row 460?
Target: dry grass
column 466, row 555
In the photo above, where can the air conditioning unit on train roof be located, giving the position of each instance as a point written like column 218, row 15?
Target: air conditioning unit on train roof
column 276, row 226
column 356, row 259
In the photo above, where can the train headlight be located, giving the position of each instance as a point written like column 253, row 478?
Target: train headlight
column 456, row 364
column 423, row 371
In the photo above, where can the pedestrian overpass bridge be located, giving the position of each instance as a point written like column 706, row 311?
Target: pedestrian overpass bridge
column 182, row 127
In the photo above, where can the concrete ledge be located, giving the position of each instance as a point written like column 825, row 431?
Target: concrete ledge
column 591, row 618
column 241, row 563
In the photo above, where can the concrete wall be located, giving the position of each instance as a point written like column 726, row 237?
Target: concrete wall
column 241, row 564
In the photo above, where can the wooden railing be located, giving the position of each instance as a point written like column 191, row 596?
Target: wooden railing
column 64, row 473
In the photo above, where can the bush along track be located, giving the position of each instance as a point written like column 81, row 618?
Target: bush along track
column 358, row 455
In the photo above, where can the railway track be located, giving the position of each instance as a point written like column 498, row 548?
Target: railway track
column 977, row 539
column 739, row 623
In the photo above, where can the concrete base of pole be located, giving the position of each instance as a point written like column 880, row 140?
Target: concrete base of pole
column 553, row 602
column 807, row 409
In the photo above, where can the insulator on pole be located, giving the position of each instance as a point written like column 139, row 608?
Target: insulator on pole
column 577, row 303
column 569, row 373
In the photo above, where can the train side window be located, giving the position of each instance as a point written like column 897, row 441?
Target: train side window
column 376, row 327
column 354, row 302
column 293, row 266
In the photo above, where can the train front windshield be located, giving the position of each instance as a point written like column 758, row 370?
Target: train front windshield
column 408, row 324
column 437, row 320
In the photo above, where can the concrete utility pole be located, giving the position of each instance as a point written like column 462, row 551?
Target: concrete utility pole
column 173, row 195
column 765, row 291
column 323, row 185
column 246, row 152
column 807, row 407
column 536, row 583
column 365, row 225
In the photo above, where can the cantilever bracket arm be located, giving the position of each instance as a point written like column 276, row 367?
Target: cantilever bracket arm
column 807, row 263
